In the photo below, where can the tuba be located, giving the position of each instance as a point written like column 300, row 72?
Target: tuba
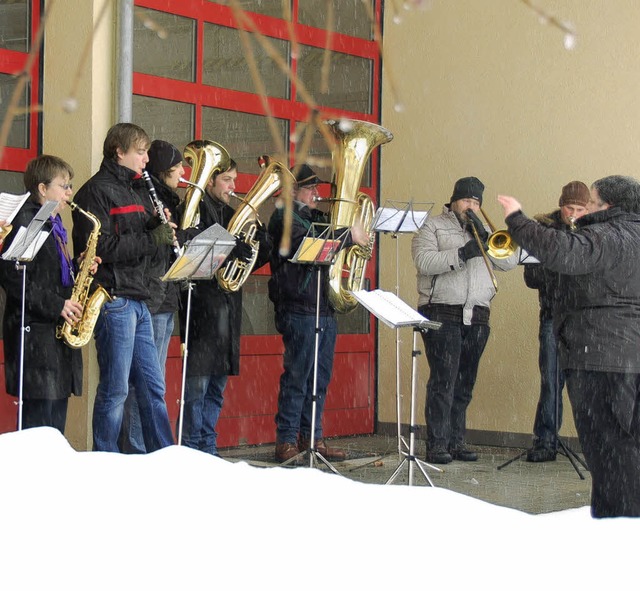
column 244, row 223
column 355, row 140
column 77, row 335
column 205, row 158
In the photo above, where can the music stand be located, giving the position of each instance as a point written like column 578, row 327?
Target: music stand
column 319, row 249
column 23, row 249
column 394, row 218
column 397, row 314
column 200, row 259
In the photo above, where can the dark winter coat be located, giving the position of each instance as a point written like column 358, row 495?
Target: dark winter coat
column 114, row 196
column 538, row 277
column 216, row 315
column 52, row 371
column 293, row 286
column 164, row 295
column 597, row 320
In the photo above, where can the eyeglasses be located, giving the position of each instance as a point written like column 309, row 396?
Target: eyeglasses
column 67, row 187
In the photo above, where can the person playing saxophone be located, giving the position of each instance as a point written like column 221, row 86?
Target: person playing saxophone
column 53, row 371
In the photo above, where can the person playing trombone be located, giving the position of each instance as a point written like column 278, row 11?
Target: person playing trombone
column 456, row 284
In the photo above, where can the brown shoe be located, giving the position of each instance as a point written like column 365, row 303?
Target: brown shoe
column 329, row 453
column 286, row 451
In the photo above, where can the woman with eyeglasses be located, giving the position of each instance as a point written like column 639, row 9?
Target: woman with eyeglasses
column 52, row 371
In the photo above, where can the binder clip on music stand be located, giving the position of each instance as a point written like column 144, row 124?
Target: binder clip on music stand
column 319, row 249
column 396, row 314
column 395, row 218
column 23, row 249
column 200, row 259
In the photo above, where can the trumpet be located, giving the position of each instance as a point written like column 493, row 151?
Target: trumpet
column 500, row 244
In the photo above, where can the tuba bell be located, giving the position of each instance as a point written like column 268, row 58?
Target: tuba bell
column 355, row 140
column 244, row 223
column 205, row 158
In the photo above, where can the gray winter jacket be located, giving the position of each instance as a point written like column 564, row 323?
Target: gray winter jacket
column 442, row 277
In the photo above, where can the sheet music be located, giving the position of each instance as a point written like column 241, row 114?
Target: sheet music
column 393, row 311
column 395, row 219
column 16, row 249
column 526, row 258
column 10, row 205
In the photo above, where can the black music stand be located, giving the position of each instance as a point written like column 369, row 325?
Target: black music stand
column 394, row 218
column 318, row 249
column 397, row 314
column 200, row 259
column 23, row 249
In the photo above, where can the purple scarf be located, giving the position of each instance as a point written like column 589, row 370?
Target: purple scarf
column 60, row 234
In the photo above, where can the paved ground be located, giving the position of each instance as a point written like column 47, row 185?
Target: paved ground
column 534, row 488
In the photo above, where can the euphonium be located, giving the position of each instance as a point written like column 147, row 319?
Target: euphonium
column 205, row 158
column 355, row 140
column 77, row 335
column 244, row 223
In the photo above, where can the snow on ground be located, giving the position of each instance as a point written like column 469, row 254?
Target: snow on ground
column 180, row 519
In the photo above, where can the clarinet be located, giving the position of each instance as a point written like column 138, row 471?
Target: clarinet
column 158, row 206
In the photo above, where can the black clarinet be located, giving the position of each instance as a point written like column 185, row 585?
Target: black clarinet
column 158, row 206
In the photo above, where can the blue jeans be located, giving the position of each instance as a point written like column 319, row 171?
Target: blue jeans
column 295, row 400
column 126, row 351
column 453, row 353
column 203, row 400
column 131, row 439
column 551, row 385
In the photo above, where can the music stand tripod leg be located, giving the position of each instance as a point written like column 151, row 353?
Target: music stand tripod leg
column 185, row 354
column 410, row 458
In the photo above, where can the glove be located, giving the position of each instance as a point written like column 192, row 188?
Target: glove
column 469, row 251
column 162, row 234
column 241, row 251
column 261, row 233
column 476, row 222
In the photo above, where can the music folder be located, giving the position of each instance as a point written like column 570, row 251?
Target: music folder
column 28, row 240
column 394, row 312
column 202, row 255
column 320, row 245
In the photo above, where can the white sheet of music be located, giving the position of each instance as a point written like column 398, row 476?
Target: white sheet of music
column 389, row 308
column 10, row 205
column 17, row 246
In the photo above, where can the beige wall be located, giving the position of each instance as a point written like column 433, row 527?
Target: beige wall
column 487, row 90
column 77, row 135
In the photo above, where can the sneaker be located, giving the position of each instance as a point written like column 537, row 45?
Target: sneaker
column 286, row 451
column 541, row 454
column 463, row 454
column 438, row 455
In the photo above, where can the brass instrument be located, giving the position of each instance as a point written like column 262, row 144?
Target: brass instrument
column 4, row 232
column 205, row 158
column 78, row 333
column 500, row 244
column 572, row 224
column 355, row 140
column 244, row 223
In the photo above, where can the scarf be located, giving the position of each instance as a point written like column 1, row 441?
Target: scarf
column 66, row 266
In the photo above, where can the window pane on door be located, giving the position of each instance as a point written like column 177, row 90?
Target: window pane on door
column 226, row 66
column 350, row 17
column 14, row 25
column 19, row 131
column 165, row 120
column 350, row 79
column 245, row 136
column 164, row 45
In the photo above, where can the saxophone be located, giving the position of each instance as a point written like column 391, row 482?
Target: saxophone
column 77, row 335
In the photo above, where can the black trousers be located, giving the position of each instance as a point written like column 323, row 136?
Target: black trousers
column 606, row 410
column 44, row 413
column 453, row 353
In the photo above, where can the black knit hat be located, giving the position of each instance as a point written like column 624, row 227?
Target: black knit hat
column 305, row 176
column 468, row 187
column 162, row 157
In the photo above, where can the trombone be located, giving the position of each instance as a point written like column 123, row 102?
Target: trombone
column 500, row 244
